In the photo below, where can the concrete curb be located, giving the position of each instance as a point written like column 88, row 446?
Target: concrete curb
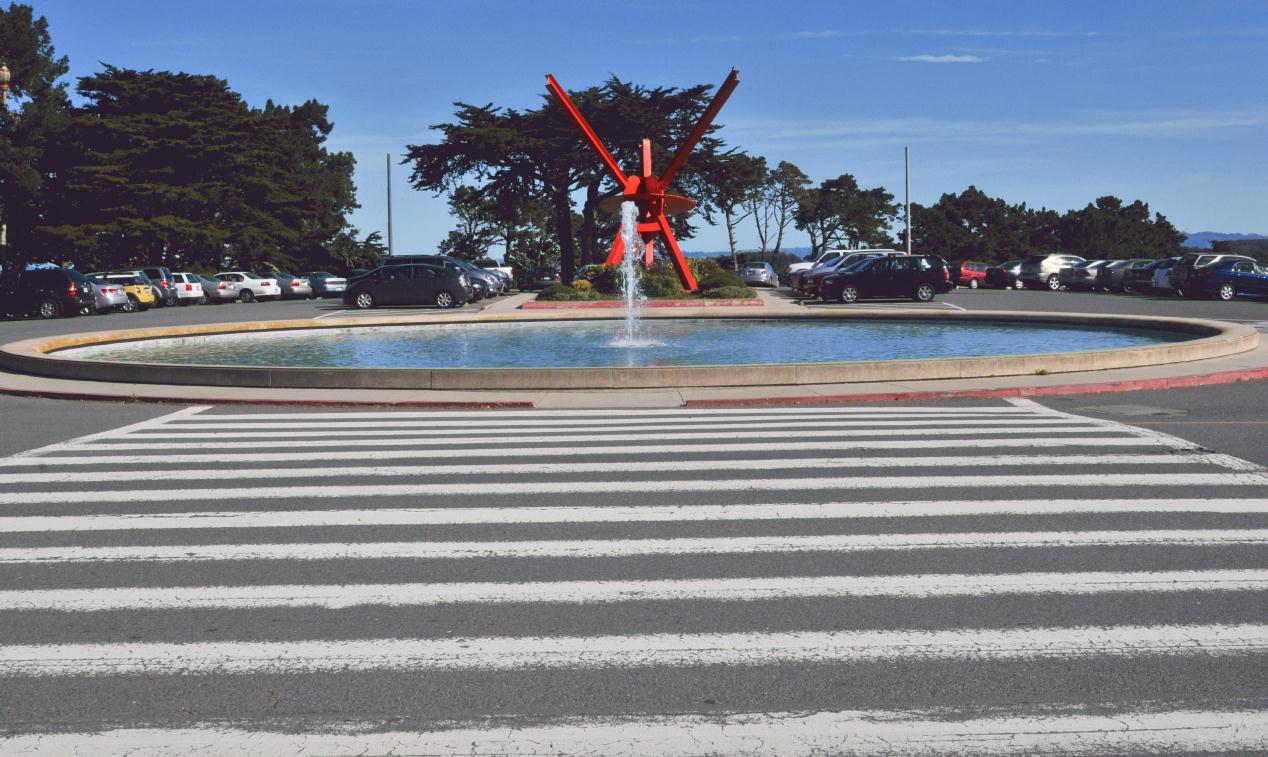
column 1103, row 387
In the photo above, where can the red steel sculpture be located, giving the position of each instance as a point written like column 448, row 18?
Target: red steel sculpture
column 647, row 190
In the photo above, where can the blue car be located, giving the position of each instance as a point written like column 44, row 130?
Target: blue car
column 1228, row 279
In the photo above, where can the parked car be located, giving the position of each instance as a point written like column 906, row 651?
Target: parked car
column 46, row 292
column 1228, row 278
column 1002, row 276
column 108, row 297
column 1190, row 266
column 806, row 265
column 356, row 273
column 217, row 291
column 919, row 277
column 1140, row 278
column 252, row 286
column 1161, row 281
column 293, row 287
column 326, row 284
column 137, row 287
column 1115, row 276
column 1081, row 276
column 972, row 274
column 189, row 288
column 410, row 284
column 796, row 277
column 165, row 285
column 537, row 278
column 1045, row 270
column 483, row 283
column 810, row 281
column 506, row 271
column 759, row 273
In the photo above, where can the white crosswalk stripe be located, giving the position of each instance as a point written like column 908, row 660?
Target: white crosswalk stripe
column 662, row 581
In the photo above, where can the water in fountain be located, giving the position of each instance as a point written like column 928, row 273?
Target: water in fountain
column 630, row 335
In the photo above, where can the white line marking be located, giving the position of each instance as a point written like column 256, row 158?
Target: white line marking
column 583, row 548
column 536, row 452
column 339, row 596
column 443, row 516
column 644, row 486
column 574, row 424
column 627, row 466
column 671, row 413
column 793, row 734
column 879, row 428
column 79, row 440
column 957, row 307
column 588, row 652
column 1039, row 431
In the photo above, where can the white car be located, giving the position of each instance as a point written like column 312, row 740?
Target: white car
column 189, row 288
column 252, row 286
column 806, row 265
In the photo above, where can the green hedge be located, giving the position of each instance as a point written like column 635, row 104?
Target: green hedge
column 564, row 293
column 729, row 293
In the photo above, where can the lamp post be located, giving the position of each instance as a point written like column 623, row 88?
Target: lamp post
column 4, row 109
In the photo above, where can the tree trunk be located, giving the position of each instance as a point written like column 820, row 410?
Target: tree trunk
column 589, row 227
column 563, row 227
column 730, row 236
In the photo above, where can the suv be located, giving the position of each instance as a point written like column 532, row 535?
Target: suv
column 919, row 277
column 47, row 292
column 1190, row 266
column 165, row 283
column 1045, row 270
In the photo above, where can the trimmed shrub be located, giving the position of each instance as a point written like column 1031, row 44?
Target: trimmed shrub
column 661, row 285
column 703, row 267
column 581, row 285
column 719, row 280
column 729, row 293
column 606, row 279
column 563, row 293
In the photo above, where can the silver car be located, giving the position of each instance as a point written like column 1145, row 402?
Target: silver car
column 759, row 274
column 1045, row 270
column 107, row 295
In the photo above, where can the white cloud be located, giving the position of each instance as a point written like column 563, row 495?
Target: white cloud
column 943, row 59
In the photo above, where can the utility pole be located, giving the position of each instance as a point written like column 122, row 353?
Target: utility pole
column 389, row 203
column 907, row 193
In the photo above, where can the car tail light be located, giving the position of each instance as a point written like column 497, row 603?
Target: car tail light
column 189, row 287
column 266, row 283
column 294, row 283
column 1206, row 274
column 73, row 290
column 163, row 283
column 222, row 286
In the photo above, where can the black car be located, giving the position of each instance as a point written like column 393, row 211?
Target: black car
column 483, row 283
column 537, row 278
column 413, row 284
column 165, row 293
column 919, row 277
column 1003, row 276
column 47, row 292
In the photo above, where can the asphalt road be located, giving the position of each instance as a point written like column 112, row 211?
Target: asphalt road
column 972, row 576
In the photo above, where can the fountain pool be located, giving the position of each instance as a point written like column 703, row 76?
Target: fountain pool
column 589, row 344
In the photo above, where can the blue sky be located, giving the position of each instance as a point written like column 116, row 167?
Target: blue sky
column 1050, row 103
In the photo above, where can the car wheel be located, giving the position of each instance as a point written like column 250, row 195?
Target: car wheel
column 924, row 293
column 848, row 295
column 202, row 300
column 972, row 283
column 445, row 300
column 1019, row 284
column 130, row 306
column 1226, row 292
column 246, row 295
column 364, row 300
column 1054, row 283
column 49, row 309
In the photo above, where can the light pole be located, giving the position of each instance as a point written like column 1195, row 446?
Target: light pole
column 4, row 109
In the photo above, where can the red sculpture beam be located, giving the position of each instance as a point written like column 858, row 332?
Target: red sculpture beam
column 647, row 190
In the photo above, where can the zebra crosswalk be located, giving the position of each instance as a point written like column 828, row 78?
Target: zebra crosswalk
column 995, row 578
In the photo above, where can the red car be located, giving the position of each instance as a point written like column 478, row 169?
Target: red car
column 972, row 275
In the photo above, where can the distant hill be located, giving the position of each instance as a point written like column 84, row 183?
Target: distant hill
column 798, row 251
column 1203, row 239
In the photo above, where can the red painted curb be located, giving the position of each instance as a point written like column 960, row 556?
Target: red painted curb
column 607, row 304
column 430, row 404
column 1106, row 387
